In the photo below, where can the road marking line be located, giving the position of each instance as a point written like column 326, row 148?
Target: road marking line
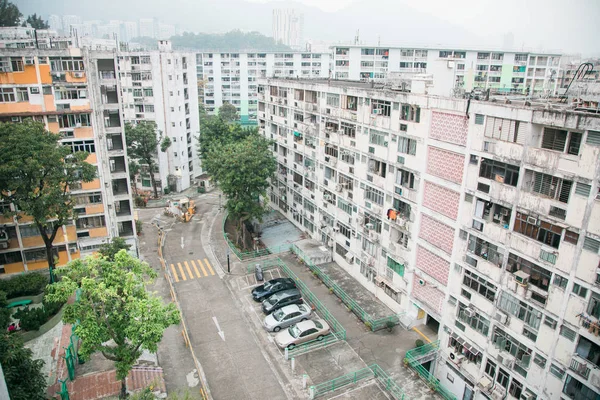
column 202, row 267
column 209, row 267
column 181, row 270
column 422, row 334
column 188, row 269
column 195, row 268
column 174, row 273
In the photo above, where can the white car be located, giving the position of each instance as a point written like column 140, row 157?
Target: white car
column 287, row 316
column 302, row 332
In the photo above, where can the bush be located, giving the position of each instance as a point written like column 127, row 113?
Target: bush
column 29, row 284
column 419, row 343
column 31, row 318
column 138, row 226
column 140, row 202
column 4, row 312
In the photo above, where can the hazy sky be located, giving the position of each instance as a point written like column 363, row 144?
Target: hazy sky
column 569, row 26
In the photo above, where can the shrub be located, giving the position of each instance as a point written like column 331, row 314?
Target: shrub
column 31, row 318
column 4, row 312
column 138, row 226
column 140, row 202
column 419, row 343
column 28, row 284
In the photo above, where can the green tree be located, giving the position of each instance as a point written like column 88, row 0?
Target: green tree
column 142, row 144
column 110, row 249
column 116, row 315
column 36, row 21
column 36, row 172
column 216, row 132
column 241, row 168
column 228, row 113
column 235, row 40
column 9, row 14
column 24, row 377
column 134, row 170
column 4, row 312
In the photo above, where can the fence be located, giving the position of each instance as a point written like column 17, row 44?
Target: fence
column 337, row 330
column 340, row 382
column 372, row 323
column 249, row 255
column 413, row 359
column 388, row 383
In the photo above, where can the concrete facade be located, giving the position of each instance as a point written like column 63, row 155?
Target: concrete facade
column 481, row 216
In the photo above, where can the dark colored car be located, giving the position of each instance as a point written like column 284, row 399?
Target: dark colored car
column 281, row 299
column 273, row 286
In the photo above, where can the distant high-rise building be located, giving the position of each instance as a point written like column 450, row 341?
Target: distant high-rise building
column 55, row 22
column 129, row 30
column 147, row 27
column 68, row 20
column 165, row 31
column 288, row 26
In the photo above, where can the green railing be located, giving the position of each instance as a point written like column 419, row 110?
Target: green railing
column 413, row 359
column 249, row 255
column 388, row 383
column 372, row 323
column 64, row 392
column 337, row 383
column 337, row 330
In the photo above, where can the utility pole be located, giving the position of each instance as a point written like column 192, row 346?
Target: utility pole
column 228, row 267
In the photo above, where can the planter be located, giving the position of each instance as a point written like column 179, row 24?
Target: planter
column 51, row 323
column 34, row 299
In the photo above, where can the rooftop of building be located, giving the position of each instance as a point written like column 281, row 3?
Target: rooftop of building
column 409, row 46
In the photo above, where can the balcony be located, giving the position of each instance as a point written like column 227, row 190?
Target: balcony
column 120, row 187
column 123, row 208
column 580, row 367
column 126, row 228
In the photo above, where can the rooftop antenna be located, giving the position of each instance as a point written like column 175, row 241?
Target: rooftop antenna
column 357, row 37
column 379, row 41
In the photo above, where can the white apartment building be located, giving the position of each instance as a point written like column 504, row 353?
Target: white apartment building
column 462, row 69
column 288, row 28
column 161, row 86
column 480, row 217
column 147, row 27
column 232, row 77
column 75, row 94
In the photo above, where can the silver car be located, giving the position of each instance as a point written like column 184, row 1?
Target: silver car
column 287, row 316
column 302, row 332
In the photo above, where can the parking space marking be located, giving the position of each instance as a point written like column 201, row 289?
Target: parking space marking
column 181, row 270
column 174, row 273
column 209, row 267
column 202, row 267
column 195, row 268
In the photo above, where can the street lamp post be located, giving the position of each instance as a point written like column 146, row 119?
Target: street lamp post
column 228, row 269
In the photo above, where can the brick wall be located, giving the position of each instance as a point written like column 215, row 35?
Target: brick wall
column 429, row 295
column 445, row 164
column 441, row 199
column 437, row 233
column 433, row 265
column 451, row 128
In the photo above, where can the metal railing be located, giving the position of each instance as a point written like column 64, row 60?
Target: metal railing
column 413, row 358
column 249, row 255
column 349, row 379
column 371, row 322
column 388, row 383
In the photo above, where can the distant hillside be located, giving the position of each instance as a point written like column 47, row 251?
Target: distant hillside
column 231, row 41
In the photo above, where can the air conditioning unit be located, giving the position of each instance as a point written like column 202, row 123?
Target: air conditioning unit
column 506, row 361
column 369, row 226
column 499, row 393
column 469, row 312
column 349, row 258
column 377, row 111
column 522, row 278
column 336, row 228
column 422, row 282
column 29, row 61
column 327, row 197
column 339, row 187
column 532, row 220
column 501, row 317
column 528, row 396
column 78, row 74
column 330, row 243
column 457, row 358
column 374, row 236
column 5, row 69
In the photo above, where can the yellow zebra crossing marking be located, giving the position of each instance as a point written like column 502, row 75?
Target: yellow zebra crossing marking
column 202, row 267
column 187, row 267
column 181, row 270
column 209, row 267
column 174, row 273
column 195, row 268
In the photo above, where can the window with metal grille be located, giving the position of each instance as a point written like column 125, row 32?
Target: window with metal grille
column 539, row 230
column 395, row 266
column 482, row 187
column 583, row 189
column 567, row 332
column 548, row 185
column 499, row 171
column 557, row 371
column 479, row 119
column 593, row 138
column 590, row 244
column 554, row 139
column 557, row 212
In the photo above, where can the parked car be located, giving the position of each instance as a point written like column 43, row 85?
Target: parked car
column 302, row 332
column 281, row 299
column 287, row 316
column 273, row 286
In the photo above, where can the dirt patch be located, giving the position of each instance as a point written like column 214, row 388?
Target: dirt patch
column 230, row 229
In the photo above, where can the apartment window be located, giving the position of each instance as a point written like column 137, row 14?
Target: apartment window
column 480, row 285
column 583, row 189
column 374, row 195
column 405, row 178
column 369, row 247
column 499, row 171
column 594, row 305
column 479, row 119
column 73, row 120
column 591, row 244
column 557, row 371
column 579, row 290
column 407, row 146
column 7, row 95
column 505, row 342
column 556, row 139
column 22, row 94
column 377, row 137
column 568, row 333
column 538, row 276
column 477, row 322
column 90, row 222
column 539, row 230
column 548, row 185
column 29, row 230
column 485, row 250
column 344, row 230
column 539, row 361
column 490, row 368
column 560, row 281
column 395, row 266
column 529, row 333
column 344, row 206
column 348, row 129
column 333, row 100
column 381, row 107
column 520, row 309
column 550, row 322
column 82, row 145
column 410, row 113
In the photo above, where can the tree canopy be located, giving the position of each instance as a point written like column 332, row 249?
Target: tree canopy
column 116, row 315
column 36, row 21
column 110, row 249
column 24, row 377
column 36, row 172
column 228, row 112
column 235, row 40
column 142, row 145
column 240, row 161
column 9, row 14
